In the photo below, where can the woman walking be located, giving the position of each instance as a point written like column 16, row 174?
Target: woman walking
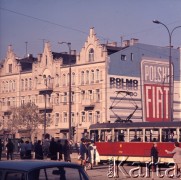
column 176, row 156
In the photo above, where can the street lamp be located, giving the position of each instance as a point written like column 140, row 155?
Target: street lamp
column 170, row 106
column 70, row 107
column 45, row 110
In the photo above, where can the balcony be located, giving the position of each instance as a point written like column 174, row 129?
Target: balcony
column 88, row 104
column 45, row 89
column 49, row 107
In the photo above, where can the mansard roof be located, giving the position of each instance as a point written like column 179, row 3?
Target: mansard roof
column 65, row 57
column 113, row 49
column 26, row 63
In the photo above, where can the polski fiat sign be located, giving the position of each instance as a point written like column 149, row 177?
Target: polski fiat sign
column 155, row 90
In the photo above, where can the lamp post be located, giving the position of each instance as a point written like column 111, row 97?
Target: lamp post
column 45, row 110
column 170, row 103
column 70, row 90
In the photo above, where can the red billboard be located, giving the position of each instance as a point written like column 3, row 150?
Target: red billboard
column 155, row 90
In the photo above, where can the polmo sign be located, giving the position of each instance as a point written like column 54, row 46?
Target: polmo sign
column 155, row 90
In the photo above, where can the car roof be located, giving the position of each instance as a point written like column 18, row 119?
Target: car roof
column 28, row 165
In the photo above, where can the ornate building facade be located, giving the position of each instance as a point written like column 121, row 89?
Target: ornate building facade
column 98, row 73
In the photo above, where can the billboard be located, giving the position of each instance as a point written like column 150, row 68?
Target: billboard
column 155, row 90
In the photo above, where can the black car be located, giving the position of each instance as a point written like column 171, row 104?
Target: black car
column 41, row 170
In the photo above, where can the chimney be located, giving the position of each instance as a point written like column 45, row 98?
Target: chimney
column 133, row 41
column 126, row 43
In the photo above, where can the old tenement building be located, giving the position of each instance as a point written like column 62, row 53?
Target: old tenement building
column 22, row 81
column 108, row 83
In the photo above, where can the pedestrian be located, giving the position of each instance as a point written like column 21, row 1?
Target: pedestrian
column 46, row 146
column 91, row 151
column 60, row 150
column 38, row 150
column 1, row 149
column 83, row 153
column 154, row 156
column 28, row 149
column 22, row 149
column 67, row 151
column 53, row 149
column 10, row 148
column 176, row 156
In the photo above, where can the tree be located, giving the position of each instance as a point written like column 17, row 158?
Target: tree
column 26, row 117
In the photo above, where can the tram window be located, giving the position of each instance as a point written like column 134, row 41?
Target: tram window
column 119, row 135
column 94, row 136
column 169, row 135
column 152, row 135
column 136, row 135
column 106, row 136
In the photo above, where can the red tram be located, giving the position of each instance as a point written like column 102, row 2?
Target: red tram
column 133, row 141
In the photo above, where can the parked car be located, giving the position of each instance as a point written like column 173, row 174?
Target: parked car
column 41, row 170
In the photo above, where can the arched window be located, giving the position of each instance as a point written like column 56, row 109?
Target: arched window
column 30, row 83
column 26, row 84
column 57, row 80
column 87, row 77
column 91, row 55
column 82, row 77
column 22, row 84
column 63, row 80
column 92, row 76
column 73, row 78
column 97, row 75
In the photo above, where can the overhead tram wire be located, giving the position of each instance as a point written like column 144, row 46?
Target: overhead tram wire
column 75, row 29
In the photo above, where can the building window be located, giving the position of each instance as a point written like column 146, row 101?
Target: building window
column 97, row 95
column 57, row 80
column 73, row 78
column 65, row 97
column 97, row 75
column 91, row 55
column 30, row 84
column 10, row 70
column 83, row 116
column 87, row 77
column 64, row 116
column 56, row 119
column 90, row 117
column 90, row 94
column 97, row 116
column 73, row 97
column 131, row 56
column 73, row 117
column 22, row 84
column 123, row 57
column 63, row 80
column 92, row 76
column 82, row 77
column 46, row 60
column 26, row 84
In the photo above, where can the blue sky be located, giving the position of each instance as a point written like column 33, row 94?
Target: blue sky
column 70, row 20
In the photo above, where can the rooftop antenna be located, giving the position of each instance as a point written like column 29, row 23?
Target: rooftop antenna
column 121, row 40
column 26, row 48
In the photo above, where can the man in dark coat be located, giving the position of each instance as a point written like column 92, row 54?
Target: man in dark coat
column 154, row 156
column 38, row 150
column 10, row 148
column 53, row 149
